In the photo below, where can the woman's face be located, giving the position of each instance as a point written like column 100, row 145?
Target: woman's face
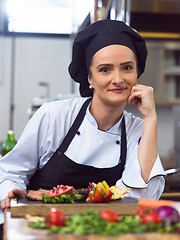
column 113, row 72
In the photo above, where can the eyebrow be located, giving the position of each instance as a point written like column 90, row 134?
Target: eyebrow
column 110, row 65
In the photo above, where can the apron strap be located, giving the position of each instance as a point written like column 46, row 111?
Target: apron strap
column 123, row 143
column 75, row 126
column 73, row 130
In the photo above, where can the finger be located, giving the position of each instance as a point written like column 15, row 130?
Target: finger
column 19, row 193
column 135, row 97
column 139, row 90
column 136, row 100
column 11, row 195
column 14, row 193
column 5, row 203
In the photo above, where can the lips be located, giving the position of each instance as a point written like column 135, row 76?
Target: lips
column 118, row 90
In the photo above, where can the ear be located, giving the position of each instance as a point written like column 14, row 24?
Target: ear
column 90, row 79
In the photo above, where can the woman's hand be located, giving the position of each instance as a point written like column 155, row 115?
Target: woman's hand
column 15, row 193
column 143, row 97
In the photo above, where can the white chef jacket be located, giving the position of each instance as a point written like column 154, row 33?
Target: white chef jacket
column 46, row 130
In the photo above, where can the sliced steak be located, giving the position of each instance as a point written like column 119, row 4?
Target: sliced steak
column 36, row 194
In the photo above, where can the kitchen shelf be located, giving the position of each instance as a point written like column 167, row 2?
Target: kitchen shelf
column 163, row 71
column 167, row 102
column 160, row 35
column 172, row 71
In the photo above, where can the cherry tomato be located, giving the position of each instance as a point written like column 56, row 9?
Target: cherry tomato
column 97, row 196
column 151, row 217
column 142, row 211
column 108, row 196
column 56, row 218
column 109, row 216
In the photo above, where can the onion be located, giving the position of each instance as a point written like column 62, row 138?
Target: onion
column 169, row 215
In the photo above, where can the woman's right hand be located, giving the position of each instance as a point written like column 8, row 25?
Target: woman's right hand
column 15, row 193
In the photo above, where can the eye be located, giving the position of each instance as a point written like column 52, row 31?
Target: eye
column 104, row 69
column 128, row 67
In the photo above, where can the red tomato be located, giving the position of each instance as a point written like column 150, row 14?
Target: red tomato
column 91, row 196
column 108, row 196
column 142, row 211
column 56, row 218
column 97, row 196
column 151, row 217
column 109, row 216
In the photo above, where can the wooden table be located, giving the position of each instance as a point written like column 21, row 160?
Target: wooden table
column 17, row 229
column 16, row 225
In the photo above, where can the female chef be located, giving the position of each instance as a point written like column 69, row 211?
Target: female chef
column 92, row 138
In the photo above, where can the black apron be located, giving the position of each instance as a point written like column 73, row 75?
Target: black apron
column 62, row 170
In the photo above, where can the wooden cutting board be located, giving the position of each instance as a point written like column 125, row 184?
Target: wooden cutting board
column 125, row 206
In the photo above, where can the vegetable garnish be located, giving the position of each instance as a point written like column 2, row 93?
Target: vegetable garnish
column 151, row 217
column 168, row 214
column 109, row 216
column 37, row 225
column 142, row 211
column 151, row 203
column 63, row 198
column 94, row 222
column 56, row 218
column 100, row 193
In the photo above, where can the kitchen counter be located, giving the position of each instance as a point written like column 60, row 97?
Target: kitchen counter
column 16, row 225
column 172, row 183
column 16, row 228
column 174, row 196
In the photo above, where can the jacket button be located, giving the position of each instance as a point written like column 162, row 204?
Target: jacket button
column 117, row 142
column 78, row 132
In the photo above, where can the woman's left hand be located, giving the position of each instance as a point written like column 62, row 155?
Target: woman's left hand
column 143, row 97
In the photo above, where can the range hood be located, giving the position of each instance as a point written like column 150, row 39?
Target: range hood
column 156, row 6
column 149, row 17
column 156, row 16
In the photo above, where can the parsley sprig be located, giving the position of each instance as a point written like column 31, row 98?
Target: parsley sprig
column 63, row 198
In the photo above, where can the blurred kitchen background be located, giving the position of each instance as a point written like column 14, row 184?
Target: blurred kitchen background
column 35, row 51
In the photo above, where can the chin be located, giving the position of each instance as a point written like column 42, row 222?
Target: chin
column 119, row 98
column 117, row 101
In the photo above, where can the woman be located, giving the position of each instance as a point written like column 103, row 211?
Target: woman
column 92, row 138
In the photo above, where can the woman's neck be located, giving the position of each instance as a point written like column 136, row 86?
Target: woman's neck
column 105, row 115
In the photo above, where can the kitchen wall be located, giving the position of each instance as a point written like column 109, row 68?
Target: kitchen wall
column 36, row 60
column 46, row 60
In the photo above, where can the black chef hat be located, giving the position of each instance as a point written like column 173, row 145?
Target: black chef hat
column 96, row 36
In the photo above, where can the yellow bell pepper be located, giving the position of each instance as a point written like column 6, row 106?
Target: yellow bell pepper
column 103, row 185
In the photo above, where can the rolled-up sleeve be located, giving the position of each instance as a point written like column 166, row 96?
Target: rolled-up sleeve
column 131, row 176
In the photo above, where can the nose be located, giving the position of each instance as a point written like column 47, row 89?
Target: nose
column 117, row 77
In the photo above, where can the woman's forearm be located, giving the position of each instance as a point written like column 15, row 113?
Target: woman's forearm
column 148, row 150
